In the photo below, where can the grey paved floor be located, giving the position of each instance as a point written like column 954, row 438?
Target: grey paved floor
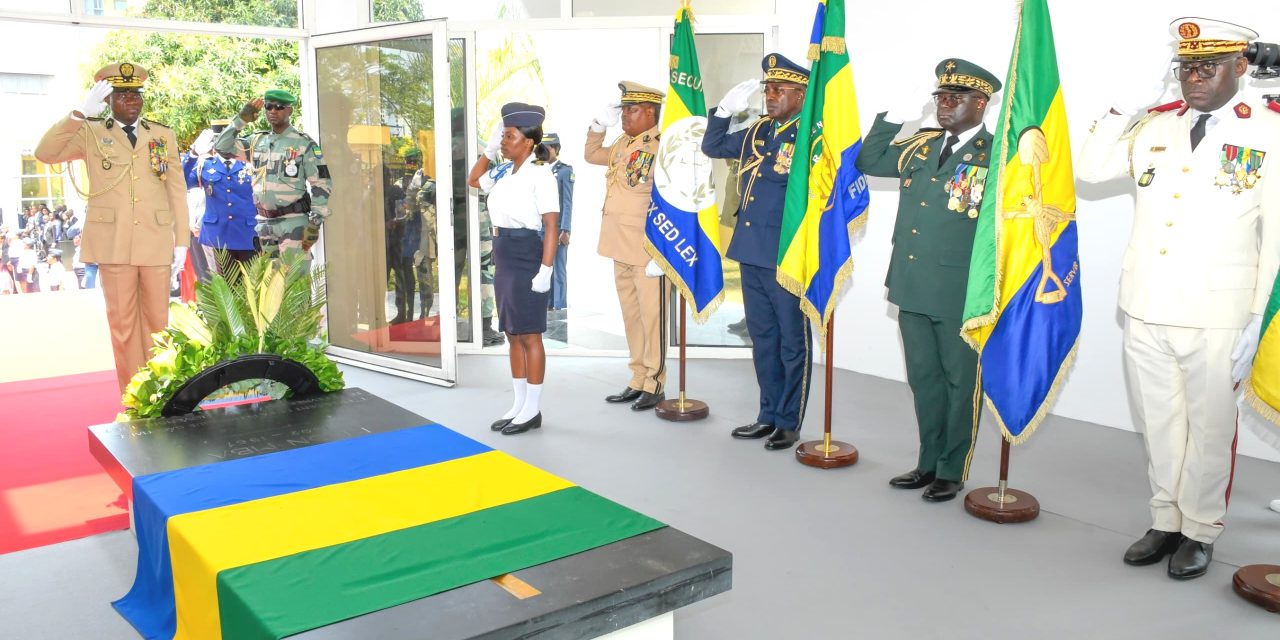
column 817, row 554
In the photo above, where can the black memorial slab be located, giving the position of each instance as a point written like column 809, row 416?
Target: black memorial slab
column 586, row 595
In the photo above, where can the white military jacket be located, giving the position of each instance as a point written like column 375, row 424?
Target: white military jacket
column 1205, row 243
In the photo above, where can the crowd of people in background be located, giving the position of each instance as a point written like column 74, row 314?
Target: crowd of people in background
column 42, row 252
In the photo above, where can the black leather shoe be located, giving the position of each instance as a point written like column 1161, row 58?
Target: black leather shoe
column 1191, row 560
column 514, row 428
column 1152, row 547
column 753, row 431
column 499, row 424
column 739, row 327
column 782, row 439
column 648, row 401
column 942, row 490
column 913, row 479
column 627, row 395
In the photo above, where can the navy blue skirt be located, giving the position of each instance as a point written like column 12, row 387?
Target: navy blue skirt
column 516, row 261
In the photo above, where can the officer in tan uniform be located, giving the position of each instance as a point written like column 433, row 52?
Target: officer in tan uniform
column 1195, row 278
column 628, row 196
column 135, row 223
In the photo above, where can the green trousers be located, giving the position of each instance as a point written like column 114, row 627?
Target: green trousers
column 943, row 374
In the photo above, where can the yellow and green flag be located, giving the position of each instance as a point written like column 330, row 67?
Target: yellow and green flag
column 827, row 196
column 1262, row 387
column 1023, row 308
column 682, row 233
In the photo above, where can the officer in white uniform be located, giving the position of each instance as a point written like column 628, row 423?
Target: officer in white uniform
column 1195, row 278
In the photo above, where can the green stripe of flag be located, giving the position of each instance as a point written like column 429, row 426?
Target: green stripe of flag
column 304, row 591
column 682, row 46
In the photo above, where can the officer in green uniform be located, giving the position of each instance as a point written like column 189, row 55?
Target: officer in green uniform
column 940, row 175
column 291, row 183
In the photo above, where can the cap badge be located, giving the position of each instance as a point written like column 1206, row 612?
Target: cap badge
column 1189, row 30
column 126, row 70
column 951, row 65
column 773, row 62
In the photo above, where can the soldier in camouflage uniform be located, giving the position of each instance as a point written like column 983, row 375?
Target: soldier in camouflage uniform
column 291, row 182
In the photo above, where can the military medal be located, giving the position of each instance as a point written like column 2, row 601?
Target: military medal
column 782, row 165
column 965, row 188
column 159, row 152
column 1240, row 167
column 106, row 164
column 953, row 203
column 1147, row 176
column 973, row 212
column 291, row 169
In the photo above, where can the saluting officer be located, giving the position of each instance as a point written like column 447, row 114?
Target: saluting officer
column 780, row 345
column 136, row 226
column 941, row 174
column 564, row 180
column 642, row 291
column 291, row 182
column 1196, row 276
column 228, row 220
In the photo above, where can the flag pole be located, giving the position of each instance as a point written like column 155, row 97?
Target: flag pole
column 682, row 409
column 827, row 453
column 1000, row 504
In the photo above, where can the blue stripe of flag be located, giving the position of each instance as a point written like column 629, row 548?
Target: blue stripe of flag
column 675, row 241
column 848, row 199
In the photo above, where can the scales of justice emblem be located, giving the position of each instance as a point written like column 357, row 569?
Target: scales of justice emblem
column 683, row 173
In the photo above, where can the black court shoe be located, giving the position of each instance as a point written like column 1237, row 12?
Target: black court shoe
column 1191, row 560
column 942, row 490
column 913, row 479
column 498, row 425
column 514, row 428
column 648, row 400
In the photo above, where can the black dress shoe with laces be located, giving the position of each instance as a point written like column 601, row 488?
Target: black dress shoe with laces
column 647, row 400
column 1191, row 560
column 782, row 439
column 1152, row 547
column 913, row 479
column 942, row 490
column 753, row 431
column 499, row 424
column 514, row 428
column 627, row 395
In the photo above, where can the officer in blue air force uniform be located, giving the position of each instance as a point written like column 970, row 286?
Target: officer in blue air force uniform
column 780, row 345
column 564, row 182
column 228, row 220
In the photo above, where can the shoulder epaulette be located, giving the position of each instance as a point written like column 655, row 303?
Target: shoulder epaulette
column 95, row 119
column 1180, row 105
column 913, row 142
column 146, row 122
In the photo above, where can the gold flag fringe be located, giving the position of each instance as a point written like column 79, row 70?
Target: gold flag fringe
column 1043, row 411
column 699, row 316
column 833, row 44
column 815, row 52
column 1270, row 413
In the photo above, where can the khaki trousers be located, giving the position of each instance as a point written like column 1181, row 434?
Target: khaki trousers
column 1180, row 385
column 644, row 305
column 137, row 306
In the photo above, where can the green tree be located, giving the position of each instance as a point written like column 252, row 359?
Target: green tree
column 397, row 11
column 263, row 13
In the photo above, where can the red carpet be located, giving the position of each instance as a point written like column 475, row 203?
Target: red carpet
column 51, row 488
column 418, row 337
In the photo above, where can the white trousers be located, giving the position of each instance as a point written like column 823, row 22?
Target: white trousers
column 1180, row 384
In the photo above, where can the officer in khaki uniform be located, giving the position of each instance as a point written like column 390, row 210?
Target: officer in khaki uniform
column 135, row 224
column 1196, row 276
column 642, row 291
column 941, row 174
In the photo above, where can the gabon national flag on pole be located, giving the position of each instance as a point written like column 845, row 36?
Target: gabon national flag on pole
column 682, row 233
column 1262, row 387
column 827, row 196
column 1023, row 308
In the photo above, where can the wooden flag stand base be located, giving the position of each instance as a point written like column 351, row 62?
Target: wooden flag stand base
column 1259, row 584
column 1001, row 504
column 827, row 453
column 682, row 409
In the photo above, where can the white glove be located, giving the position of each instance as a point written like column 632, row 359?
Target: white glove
column 493, row 145
column 93, row 103
column 608, row 117
column 652, row 269
column 737, row 99
column 1246, row 347
column 542, row 281
column 1148, row 86
column 911, row 107
column 179, row 261
column 204, row 143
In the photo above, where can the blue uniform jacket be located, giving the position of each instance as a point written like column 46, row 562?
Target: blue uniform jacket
column 564, row 180
column 764, row 151
column 228, row 209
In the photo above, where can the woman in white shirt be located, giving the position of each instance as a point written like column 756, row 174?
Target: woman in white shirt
column 524, row 207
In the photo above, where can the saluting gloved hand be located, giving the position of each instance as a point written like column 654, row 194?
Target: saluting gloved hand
column 93, row 102
column 542, row 281
column 737, row 99
column 608, row 117
column 1246, row 347
column 652, row 270
column 204, row 143
column 1148, row 86
column 493, row 146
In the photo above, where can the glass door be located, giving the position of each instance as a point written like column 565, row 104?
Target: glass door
column 385, row 122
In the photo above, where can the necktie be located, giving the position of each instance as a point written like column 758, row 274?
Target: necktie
column 228, row 163
column 948, row 150
column 128, row 132
column 1197, row 130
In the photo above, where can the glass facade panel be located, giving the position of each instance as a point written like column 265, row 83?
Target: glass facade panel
column 384, row 11
column 257, row 13
column 625, row 8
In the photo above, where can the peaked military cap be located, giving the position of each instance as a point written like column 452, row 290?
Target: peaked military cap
column 636, row 93
column 777, row 68
column 122, row 76
column 218, row 125
column 281, row 96
column 956, row 75
column 1200, row 38
column 519, row 114
column 551, row 139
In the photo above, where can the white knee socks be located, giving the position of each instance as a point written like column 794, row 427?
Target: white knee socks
column 532, row 397
column 518, row 386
